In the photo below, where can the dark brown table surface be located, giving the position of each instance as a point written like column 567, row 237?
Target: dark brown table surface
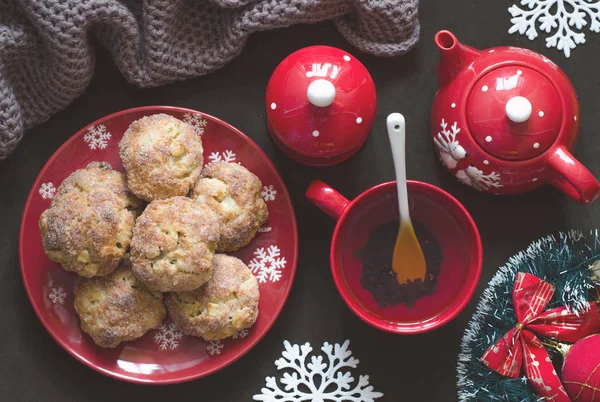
column 405, row 368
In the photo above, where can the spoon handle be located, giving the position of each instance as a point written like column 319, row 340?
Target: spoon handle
column 396, row 128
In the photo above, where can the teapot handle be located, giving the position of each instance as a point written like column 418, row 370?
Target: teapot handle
column 572, row 178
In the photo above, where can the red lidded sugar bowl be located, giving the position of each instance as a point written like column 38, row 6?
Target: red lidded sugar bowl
column 321, row 105
column 505, row 119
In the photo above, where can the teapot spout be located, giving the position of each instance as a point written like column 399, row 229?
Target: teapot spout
column 455, row 57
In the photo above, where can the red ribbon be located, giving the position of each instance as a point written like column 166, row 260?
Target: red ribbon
column 520, row 345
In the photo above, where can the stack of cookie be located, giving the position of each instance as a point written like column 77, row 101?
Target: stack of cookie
column 152, row 240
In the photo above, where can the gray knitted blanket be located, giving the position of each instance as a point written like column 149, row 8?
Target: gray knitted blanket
column 47, row 55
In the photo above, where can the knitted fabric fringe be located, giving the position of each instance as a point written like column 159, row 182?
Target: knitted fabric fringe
column 47, row 58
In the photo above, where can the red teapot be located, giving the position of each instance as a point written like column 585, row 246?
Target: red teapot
column 505, row 119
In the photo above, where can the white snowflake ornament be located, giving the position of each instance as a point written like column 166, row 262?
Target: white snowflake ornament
column 97, row 137
column 267, row 264
column 47, row 190
column 168, row 337
column 321, row 379
column 566, row 18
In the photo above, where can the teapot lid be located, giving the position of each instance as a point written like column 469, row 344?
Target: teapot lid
column 514, row 112
column 320, row 104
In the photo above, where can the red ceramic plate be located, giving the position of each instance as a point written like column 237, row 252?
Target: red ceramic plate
column 165, row 355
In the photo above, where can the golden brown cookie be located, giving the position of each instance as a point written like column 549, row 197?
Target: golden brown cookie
column 162, row 156
column 234, row 193
column 226, row 304
column 117, row 308
column 173, row 244
column 87, row 228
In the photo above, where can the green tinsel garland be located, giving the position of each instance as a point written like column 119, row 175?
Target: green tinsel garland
column 564, row 261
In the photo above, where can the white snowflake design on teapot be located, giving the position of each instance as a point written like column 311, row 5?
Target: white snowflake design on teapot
column 451, row 152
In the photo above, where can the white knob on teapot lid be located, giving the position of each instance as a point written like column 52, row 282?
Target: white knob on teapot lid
column 321, row 93
column 518, row 109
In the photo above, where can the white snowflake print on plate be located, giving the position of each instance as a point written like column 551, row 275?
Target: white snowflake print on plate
column 168, row 337
column 241, row 334
column 475, row 178
column 214, row 348
column 566, row 18
column 334, row 382
column 267, row 264
column 47, row 190
column 451, row 152
column 97, row 137
column 269, row 193
column 196, row 120
column 265, row 229
column 225, row 156
column 57, row 295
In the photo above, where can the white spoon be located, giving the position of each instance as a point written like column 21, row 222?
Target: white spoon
column 408, row 260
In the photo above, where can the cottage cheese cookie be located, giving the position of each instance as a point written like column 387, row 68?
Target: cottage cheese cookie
column 227, row 303
column 162, row 157
column 87, row 228
column 173, row 244
column 117, row 308
column 234, row 193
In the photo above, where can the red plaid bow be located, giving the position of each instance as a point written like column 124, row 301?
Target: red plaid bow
column 531, row 296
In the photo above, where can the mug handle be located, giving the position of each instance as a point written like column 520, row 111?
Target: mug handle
column 327, row 199
column 573, row 178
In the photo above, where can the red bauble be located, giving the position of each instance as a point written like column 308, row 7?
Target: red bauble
column 581, row 370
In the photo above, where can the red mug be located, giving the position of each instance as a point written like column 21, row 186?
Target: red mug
column 444, row 217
